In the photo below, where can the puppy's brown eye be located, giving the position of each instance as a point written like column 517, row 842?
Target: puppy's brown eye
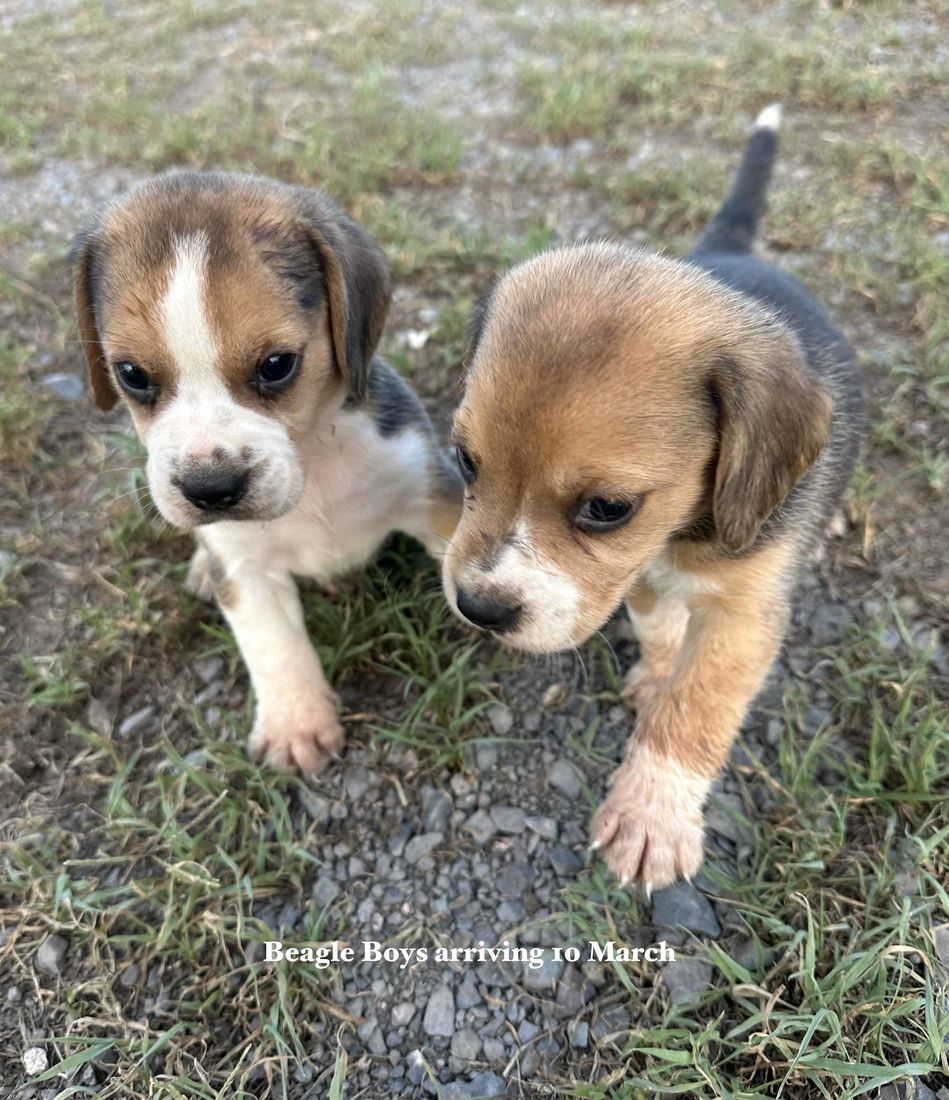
column 601, row 514
column 135, row 382
column 276, row 371
column 466, row 465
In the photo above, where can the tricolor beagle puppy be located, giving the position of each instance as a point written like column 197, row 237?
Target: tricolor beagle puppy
column 668, row 433
column 238, row 320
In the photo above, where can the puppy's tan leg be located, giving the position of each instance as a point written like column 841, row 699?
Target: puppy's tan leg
column 660, row 621
column 650, row 825
column 296, row 724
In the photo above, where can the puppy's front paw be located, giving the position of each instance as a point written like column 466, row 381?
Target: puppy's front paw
column 650, row 826
column 303, row 739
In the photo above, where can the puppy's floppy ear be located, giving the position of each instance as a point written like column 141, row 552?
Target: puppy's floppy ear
column 85, row 259
column 774, row 419
column 357, row 285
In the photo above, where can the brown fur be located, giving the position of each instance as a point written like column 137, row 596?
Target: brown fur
column 268, row 243
column 659, row 353
column 597, row 372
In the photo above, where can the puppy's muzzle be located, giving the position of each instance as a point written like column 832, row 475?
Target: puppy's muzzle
column 488, row 612
column 215, row 490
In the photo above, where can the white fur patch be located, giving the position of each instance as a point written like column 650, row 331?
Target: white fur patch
column 549, row 597
column 679, row 584
column 183, row 312
column 650, row 826
column 769, row 118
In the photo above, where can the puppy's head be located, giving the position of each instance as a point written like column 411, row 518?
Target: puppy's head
column 613, row 401
column 230, row 314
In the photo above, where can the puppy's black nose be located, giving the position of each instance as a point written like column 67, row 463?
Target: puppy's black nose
column 488, row 612
column 214, row 490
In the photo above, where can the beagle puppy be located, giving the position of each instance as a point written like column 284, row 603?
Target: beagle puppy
column 238, row 320
column 671, row 434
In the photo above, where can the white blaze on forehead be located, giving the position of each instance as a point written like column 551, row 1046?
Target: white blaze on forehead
column 183, row 310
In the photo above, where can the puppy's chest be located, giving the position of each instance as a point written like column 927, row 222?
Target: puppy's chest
column 360, row 486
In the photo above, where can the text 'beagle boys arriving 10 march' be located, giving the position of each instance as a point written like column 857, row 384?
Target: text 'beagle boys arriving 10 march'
column 238, row 319
column 669, row 433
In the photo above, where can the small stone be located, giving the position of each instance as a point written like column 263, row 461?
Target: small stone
column 314, row 804
column 98, row 717
column 527, row 1031
column 611, row 1021
column 685, row 979
column 487, row 1086
column 325, row 891
column 481, row 826
column 35, row 1060
column 726, row 816
column 468, row 995
column 563, row 776
column 421, row 846
column 578, row 1033
column 439, row 1016
column 129, row 976
column 377, row 1043
column 137, row 721
column 357, row 782
column 494, row 1050
column 509, row 819
column 500, row 718
column 485, row 756
column 542, row 978
column 511, row 912
column 69, row 387
column 466, row 1044
column 50, row 955
column 681, row 905
column 544, row 827
column 595, row 973
column 436, row 812
column 416, row 1062
column 909, row 1089
column 774, row 731
column 514, row 878
column 14, row 995
column 304, row 1073
column 564, row 861
column 209, row 670
column 573, row 992
column 402, row 1013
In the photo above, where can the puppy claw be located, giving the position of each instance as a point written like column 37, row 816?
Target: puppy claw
column 294, row 743
column 650, row 826
column 595, row 845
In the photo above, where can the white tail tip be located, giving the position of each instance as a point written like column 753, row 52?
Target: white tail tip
column 769, row 118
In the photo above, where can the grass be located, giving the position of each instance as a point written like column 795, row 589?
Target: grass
column 464, row 140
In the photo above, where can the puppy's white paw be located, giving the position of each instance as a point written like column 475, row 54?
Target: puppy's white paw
column 650, row 826
column 303, row 739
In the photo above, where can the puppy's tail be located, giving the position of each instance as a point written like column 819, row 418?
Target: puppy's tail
column 734, row 226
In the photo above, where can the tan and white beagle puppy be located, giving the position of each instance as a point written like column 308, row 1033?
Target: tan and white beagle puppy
column 668, row 434
column 238, row 320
